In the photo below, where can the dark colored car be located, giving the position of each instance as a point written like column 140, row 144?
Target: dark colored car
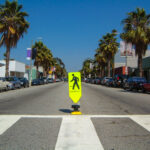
column 98, row 80
column 37, row 81
column 65, row 79
column 119, row 80
column 105, row 79
column 109, row 82
column 24, row 82
column 134, row 83
column 146, row 87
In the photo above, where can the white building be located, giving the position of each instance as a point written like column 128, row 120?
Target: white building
column 132, row 61
column 16, row 68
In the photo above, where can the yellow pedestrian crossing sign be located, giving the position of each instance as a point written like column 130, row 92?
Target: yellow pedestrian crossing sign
column 75, row 91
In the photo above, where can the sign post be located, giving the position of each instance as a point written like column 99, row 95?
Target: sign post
column 75, row 90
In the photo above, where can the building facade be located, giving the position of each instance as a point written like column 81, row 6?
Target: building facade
column 16, row 68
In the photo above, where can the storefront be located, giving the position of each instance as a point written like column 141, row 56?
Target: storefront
column 146, row 68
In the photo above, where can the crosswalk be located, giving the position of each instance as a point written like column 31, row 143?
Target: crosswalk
column 85, row 132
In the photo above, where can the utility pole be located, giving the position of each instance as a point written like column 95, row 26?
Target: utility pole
column 31, row 65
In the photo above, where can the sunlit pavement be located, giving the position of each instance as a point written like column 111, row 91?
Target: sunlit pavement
column 39, row 118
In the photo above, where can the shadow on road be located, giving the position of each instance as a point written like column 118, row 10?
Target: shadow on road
column 134, row 91
column 65, row 110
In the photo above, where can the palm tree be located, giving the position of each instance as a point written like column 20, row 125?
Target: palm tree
column 48, row 60
column 101, row 61
column 12, row 27
column 43, row 57
column 60, row 67
column 86, row 67
column 108, row 46
column 137, row 31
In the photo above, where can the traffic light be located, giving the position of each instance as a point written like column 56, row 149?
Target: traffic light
column 33, row 53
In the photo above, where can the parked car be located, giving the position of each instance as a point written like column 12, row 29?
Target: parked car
column 3, row 84
column 24, row 82
column 134, row 83
column 98, row 80
column 45, row 80
column 65, row 79
column 119, row 80
column 146, row 87
column 93, row 81
column 41, row 81
column 105, row 79
column 57, row 80
column 50, row 80
column 109, row 82
column 14, row 82
column 37, row 81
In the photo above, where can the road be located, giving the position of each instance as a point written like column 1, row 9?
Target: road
column 39, row 118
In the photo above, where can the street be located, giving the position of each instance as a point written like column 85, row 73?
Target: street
column 39, row 118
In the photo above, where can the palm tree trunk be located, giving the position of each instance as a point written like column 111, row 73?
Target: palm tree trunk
column 7, row 61
column 140, row 65
column 108, row 68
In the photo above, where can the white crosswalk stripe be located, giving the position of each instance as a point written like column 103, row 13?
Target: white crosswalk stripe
column 6, row 122
column 144, row 121
column 76, row 132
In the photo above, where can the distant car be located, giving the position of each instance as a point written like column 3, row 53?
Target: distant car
column 98, row 80
column 104, row 80
column 146, row 87
column 24, row 82
column 119, row 80
column 65, row 79
column 93, row 81
column 3, row 84
column 50, row 80
column 45, row 80
column 134, row 83
column 41, row 81
column 109, row 82
column 57, row 80
column 14, row 82
column 37, row 81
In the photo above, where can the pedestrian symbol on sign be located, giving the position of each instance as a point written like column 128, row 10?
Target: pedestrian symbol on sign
column 76, row 80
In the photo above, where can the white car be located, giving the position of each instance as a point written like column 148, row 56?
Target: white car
column 3, row 85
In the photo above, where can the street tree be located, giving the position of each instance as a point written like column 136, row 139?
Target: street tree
column 137, row 31
column 108, row 46
column 12, row 27
column 101, row 61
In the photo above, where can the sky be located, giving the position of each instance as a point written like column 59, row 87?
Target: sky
column 71, row 29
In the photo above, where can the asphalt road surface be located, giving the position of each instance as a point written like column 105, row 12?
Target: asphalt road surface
column 38, row 118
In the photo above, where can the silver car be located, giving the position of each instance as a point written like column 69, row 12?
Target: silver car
column 14, row 82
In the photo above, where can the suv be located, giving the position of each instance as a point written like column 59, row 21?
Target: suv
column 134, row 83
